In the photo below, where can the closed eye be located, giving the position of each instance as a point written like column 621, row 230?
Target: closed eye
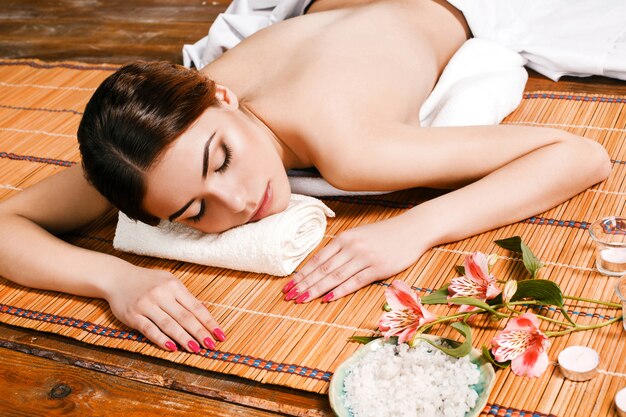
column 227, row 158
column 197, row 217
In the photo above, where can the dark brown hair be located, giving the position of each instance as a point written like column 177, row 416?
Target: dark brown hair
column 133, row 116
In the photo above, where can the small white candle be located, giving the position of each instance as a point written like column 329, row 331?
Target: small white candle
column 579, row 363
column 620, row 402
column 614, row 255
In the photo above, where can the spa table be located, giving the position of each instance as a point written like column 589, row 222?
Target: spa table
column 43, row 374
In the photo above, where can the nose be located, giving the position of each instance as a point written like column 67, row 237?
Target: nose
column 231, row 196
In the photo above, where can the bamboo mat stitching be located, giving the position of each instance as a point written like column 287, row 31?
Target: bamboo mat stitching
column 138, row 337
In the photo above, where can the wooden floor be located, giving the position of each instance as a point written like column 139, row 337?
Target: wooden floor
column 43, row 374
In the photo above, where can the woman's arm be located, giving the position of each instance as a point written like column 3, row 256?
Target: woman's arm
column 154, row 302
column 511, row 173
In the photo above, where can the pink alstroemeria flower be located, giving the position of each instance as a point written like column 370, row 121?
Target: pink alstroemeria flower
column 407, row 313
column 477, row 282
column 522, row 343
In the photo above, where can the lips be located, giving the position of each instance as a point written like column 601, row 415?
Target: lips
column 264, row 205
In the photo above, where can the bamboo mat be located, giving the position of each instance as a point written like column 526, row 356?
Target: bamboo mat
column 300, row 346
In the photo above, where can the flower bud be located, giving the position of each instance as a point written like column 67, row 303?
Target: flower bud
column 510, row 288
column 491, row 260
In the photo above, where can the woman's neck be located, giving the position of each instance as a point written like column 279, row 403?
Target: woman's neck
column 287, row 155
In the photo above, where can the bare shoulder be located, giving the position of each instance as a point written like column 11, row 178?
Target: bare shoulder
column 60, row 203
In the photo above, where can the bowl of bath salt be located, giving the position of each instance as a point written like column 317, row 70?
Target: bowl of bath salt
column 383, row 379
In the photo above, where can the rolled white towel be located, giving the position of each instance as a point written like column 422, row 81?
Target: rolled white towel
column 274, row 245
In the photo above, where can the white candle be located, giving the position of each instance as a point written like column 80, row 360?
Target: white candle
column 620, row 402
column 579, row 363
column 614, row 255
column 611, row 261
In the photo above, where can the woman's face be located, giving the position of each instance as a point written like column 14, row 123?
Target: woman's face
column 224, row 171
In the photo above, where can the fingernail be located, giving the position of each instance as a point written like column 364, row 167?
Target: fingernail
column 289, row 286
column 219, row 334
column 208, row 342
column 291, row 294
column 171, row 346
column 194, row 346
column 328, row 297
column 303, row 297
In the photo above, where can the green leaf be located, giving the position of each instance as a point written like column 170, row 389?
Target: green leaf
column 489, row 356
column 471, row 301
column 514, row 244
column 456, row 349
column 437, row 297
column 363, row 339
column 387, row 307
column 541, row 290
column 460, row 269
column 531, row 262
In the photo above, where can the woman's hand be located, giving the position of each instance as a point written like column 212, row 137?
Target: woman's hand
column 158, row 305
column 354, row 259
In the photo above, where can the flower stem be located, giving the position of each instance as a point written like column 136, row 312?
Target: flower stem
column 567, row 316
column 588, row 300
column 581, row 327
column 562, row 323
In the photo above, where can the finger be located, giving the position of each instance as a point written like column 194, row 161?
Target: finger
column 197, row 334
column 332, row 280
column 324, row 270
column 356, row 282
column 165, row 320
column 199, row 310
column 154, row 334
column 319, row 258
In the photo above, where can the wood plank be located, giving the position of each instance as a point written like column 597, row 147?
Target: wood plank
column 116, row 32
column 162, row 374
column 36, row 386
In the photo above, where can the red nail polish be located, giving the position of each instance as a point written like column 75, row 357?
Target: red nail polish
column 219, row 334
column 289, row 286
column 291, row 294
column 303, row 297
column 171, row 346
column 328, row 297
column 208, row 342
column 194, row 346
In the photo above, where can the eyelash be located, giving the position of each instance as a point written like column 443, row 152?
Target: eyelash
column 197, row 217
column 227, row 157
column 225, row 165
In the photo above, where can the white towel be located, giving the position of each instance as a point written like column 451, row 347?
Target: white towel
column 274, row 245
column 558, row 37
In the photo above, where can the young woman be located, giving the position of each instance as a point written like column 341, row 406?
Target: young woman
column 339, row 90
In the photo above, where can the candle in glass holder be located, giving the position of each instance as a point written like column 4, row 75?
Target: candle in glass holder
column 609, row 236
column 620, row 402
column 612, row 260
column 578, row 363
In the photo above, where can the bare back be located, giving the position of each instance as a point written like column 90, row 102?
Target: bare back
column 313, row 77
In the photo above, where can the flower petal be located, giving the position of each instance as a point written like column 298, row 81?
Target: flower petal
column 525, row 322
column 464, row 287
column 400, row 296
column 532, row 363
column 477, row 267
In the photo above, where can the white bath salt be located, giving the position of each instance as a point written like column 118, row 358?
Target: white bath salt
column 421, row 381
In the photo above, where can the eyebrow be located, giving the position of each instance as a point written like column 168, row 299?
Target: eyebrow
column 205, row 162
column 205, row 169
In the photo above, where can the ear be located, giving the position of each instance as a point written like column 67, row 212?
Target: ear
column 226, row 97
